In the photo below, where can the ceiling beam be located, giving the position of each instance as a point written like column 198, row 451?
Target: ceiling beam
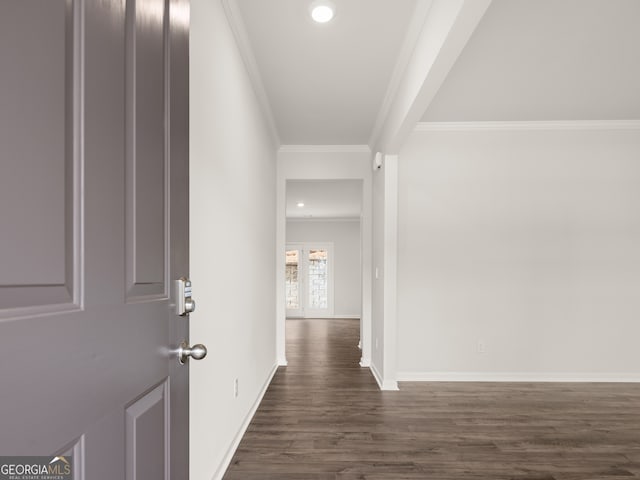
column 414, row 29
column 446, row 29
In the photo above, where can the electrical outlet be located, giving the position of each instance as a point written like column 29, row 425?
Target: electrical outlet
column 482, row 348
column 235, row 388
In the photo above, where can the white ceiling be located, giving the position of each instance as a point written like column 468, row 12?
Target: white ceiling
column 326, row 82
column 527, row 60
column 324, row 199
column 547, row 60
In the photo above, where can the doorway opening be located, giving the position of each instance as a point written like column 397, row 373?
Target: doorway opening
column 300, row 172
column 323, row 251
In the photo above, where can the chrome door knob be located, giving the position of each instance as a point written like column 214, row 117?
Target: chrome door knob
column 197, row 352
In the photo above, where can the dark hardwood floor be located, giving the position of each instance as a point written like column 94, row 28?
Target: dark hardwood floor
column 323, row 417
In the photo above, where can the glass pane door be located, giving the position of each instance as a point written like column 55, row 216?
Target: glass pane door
column 318, row 279
column 308, row 280
column 293, row 283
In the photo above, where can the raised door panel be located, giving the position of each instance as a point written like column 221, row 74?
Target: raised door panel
column 147, row 182
column 74, row 455
column 147, row 421
column 39, row 135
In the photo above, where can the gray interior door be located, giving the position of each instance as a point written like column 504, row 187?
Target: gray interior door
column 93, row 232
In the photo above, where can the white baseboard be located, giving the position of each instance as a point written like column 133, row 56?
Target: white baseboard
column 518, row 377
column 382, row 383
column 376, row 375
column 365, row 362
column 327, row 317
column 243, row 428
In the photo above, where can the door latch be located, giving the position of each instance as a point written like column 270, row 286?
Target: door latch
column 185, row 304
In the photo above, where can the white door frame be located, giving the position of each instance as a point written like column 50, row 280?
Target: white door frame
column 303, row 279
column 325, row 162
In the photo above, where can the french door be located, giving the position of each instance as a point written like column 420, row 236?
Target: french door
column 309, row 280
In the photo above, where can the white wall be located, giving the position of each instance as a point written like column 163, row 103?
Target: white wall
column 233, row 168
column 579, row 68
column 524, row 239
column 345, row 236
column 329, row 162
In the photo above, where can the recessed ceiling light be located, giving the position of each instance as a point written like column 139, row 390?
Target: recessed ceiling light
column 322, row 11
column 300, row 204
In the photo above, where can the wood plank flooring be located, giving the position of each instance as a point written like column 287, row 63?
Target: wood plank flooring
column 323, row 418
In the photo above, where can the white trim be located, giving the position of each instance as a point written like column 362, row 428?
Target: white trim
column 413, row 32
column 365, row 362
column 324, row 149
column 517, row 377
column 387, row 385
column 246, row 52
column 533, row 125
column 327, row 317
column 226, row 460
column 323, row 219
column 390, row 268
column 289, row 170
column 376, row 375
column 280, row 267
column 366, row 266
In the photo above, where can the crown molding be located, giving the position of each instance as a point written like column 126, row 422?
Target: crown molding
column 239, row 30
column 324, row 149
column 528, row 125
column 322, row 219
column 418, row 19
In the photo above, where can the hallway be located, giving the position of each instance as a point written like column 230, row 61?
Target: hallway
column 324, row 418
